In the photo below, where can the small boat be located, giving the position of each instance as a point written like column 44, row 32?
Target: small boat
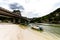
column 37, row 28
column 40, row 28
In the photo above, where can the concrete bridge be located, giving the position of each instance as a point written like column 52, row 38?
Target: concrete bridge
column 9, row 16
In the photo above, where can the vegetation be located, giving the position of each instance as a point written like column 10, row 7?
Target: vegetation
column 24, row 21
column 53, row 17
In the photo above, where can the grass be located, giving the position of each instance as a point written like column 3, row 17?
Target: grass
column 23, row 26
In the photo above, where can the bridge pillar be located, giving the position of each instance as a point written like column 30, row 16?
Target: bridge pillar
column 14, row 21
column 19, row 21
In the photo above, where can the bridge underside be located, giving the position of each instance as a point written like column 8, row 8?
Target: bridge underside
column 7, row 16
column 12, row 17
column 9, row 19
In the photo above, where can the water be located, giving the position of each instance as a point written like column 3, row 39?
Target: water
column 52, row 30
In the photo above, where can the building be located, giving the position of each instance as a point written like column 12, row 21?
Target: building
column 9, row 16
column 12, row 16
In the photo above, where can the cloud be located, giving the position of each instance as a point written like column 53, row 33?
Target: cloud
column 43, row 6
column 32, row 8
column 57, row 5
column 16, row 6
column 30, row 14
column 4, row 4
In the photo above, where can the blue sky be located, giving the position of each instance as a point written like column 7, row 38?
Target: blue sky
column 31, row 8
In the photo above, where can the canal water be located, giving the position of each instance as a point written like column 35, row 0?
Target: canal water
column 52, row 29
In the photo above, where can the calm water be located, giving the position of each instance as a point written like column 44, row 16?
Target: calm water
column 52, row 29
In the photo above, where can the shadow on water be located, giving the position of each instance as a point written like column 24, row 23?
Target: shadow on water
column 37, row 30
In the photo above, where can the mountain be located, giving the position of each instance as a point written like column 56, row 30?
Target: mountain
column 53, row 17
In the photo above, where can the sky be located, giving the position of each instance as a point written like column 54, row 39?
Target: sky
column 31, row 8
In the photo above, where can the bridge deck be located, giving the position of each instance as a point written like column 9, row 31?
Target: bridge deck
column 8, row 13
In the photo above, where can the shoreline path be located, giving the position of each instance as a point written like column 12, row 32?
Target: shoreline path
column 10, row 31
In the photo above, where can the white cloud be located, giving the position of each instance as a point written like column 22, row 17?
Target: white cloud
column 39, row 7
column 30, row 14
column 44, row 6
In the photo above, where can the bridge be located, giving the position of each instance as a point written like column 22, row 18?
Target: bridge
column 9, row 16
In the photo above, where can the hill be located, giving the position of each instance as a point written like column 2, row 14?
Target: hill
column 53, row 17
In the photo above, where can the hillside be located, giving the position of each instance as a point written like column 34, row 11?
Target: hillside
column 53, row 17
